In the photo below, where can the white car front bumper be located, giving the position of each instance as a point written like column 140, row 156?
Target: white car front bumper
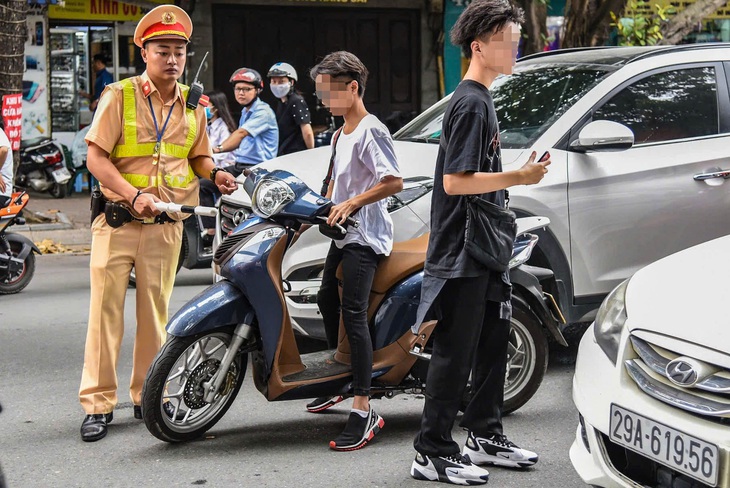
column 597, row 384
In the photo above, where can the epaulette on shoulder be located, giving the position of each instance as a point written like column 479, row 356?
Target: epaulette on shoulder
column 204, row 100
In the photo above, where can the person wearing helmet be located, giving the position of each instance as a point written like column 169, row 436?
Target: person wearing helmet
column 292, row 114
column 257, row 137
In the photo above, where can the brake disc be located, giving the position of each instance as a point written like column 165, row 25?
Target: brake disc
column 194, row 393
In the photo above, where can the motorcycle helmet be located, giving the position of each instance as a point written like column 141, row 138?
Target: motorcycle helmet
column 283, row 69
column 247, row 75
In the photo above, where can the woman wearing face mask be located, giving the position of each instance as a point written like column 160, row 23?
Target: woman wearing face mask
column 220, row 126
column 292, row 114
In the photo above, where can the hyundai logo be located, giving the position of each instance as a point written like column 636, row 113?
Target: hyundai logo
column 681, row 372
column 239, row 217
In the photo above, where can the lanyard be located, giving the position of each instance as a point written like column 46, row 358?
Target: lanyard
column 156, row 155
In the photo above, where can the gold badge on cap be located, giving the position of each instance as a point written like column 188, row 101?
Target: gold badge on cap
column 168, row 18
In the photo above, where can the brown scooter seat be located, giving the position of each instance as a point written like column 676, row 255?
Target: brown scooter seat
column 406, row 258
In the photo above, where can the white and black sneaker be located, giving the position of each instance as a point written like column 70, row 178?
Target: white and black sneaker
column 456, row 469
column 358, row 431
column 498, row 450
column 323, row 403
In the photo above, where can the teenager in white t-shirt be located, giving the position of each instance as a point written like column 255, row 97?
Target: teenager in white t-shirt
column 6, row 167
column 365, row 173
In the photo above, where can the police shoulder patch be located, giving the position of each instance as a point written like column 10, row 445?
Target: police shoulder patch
column 204, row 100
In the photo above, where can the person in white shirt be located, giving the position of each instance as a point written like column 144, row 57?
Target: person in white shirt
column 365, row 173
column 6, row 167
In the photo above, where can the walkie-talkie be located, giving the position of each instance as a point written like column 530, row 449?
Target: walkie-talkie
column 196, row 89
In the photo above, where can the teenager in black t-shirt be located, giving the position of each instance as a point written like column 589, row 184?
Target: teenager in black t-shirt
column 292, row 114
column 471, row 303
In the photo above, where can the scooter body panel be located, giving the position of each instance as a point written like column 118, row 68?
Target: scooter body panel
column 218, row 305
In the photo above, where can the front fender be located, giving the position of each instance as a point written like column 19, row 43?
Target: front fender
column 218, row 305
column 27, row 245
column 533, row 295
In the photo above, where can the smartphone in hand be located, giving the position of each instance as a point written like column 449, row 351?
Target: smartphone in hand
column 545, row 156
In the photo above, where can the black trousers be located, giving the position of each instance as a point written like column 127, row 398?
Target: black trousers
column 4, row 201
column 470, row 337
column 358, row 269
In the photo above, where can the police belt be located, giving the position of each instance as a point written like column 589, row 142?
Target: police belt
column 117, row 215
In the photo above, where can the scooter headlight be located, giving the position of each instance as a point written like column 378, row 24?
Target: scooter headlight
column 270, row 196
column 610, row 321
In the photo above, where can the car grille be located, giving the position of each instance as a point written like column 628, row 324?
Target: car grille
column 231, row 215
column 706, row 394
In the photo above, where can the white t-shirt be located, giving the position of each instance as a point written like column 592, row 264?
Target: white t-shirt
column 6, row 169
column 362, row 159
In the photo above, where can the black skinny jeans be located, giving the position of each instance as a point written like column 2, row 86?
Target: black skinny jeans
column 358, row 269
column 469, row 335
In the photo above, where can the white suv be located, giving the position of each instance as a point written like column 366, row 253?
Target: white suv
column 639, row 141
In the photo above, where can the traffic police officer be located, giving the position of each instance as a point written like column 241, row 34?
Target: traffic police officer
column 144, row 146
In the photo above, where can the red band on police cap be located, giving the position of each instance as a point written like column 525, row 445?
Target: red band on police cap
column 160, row 29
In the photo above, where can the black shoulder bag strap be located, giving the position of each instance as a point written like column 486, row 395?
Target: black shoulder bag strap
column 328, row 178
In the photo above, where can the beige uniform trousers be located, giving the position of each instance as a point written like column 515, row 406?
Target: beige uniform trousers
column 153, row 249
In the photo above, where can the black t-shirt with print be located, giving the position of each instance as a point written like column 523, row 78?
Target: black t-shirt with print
column 469, row 143
column 289, row 117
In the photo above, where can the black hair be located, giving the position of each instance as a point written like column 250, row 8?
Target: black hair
column 100, row 57
column 342, row 63
column 483, row 17
column 220, row 102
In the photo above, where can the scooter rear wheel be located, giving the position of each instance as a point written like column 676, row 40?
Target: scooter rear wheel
column 58, row 190
column 16, row 282
column 176, row 377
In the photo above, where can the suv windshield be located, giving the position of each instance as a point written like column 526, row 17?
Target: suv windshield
column 527, row 102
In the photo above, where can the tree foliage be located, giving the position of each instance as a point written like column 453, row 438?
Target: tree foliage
column 641, row 29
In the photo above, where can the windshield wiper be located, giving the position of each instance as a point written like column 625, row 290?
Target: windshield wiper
column 428, row 140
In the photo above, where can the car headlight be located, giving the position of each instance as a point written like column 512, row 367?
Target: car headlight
column 610, row 321
column 270, row 196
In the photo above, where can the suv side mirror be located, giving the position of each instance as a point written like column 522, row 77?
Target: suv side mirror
column 603, row 135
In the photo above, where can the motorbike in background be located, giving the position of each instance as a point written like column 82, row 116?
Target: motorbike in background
column 17, row 261
column 43, row 167
column 197, row 374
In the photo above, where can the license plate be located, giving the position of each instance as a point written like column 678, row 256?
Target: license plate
column 61, row 175
column 671, row 447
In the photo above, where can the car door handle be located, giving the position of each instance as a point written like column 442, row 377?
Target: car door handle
column 721, row 173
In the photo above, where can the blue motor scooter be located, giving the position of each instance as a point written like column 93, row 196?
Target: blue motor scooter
column 201, row 367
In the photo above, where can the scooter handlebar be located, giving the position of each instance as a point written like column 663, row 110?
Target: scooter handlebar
column 189, row 209
column 350, row 221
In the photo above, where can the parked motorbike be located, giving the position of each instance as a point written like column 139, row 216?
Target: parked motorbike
column 17, row 261
column 196, row 251
column 42, row 167
column 201, row 367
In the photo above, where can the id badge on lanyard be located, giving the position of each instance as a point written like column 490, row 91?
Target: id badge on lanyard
column 158, row 144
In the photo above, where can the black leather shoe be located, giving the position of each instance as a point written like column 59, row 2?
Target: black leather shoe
column 93, row 427
column 138, row 412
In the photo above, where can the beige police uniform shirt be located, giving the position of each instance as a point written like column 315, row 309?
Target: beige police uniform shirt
column 107, row 131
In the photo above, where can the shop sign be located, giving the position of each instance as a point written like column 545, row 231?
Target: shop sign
column 13, row 118
column 330, row 1
column 649, row 8
column 101, row 10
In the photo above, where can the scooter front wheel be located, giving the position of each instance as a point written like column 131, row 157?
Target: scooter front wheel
column 173, row 403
